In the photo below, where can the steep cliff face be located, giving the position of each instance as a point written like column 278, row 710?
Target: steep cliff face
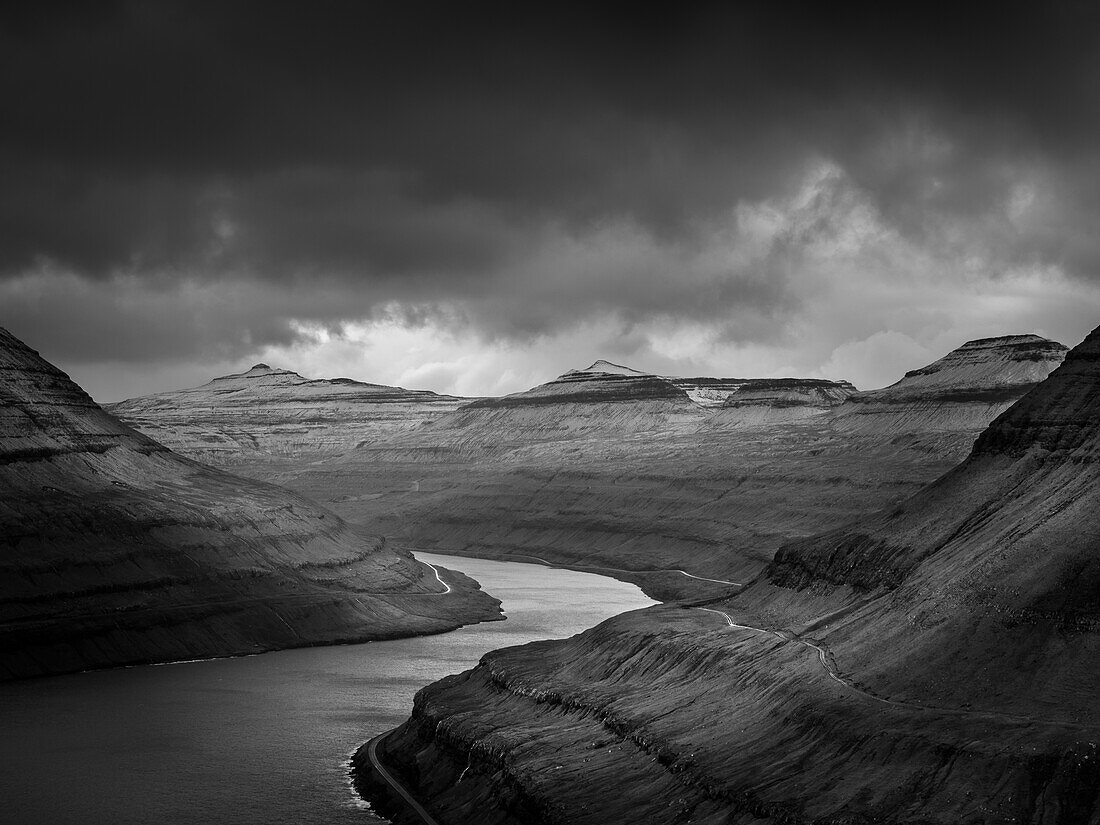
column 114, row 550
column 276, row 413
column 964, row 390
column 934, row 663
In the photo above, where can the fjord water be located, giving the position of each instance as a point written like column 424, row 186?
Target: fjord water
column 260, row 739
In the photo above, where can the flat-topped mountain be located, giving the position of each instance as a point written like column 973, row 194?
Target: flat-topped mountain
column 934, row 663
column 964, row 390
column 603, row 399
column 115, row 550
column 602, row 382
column 276, row 413
column 602, row 367
column 267, row 385
column 773, row 400
column 608, row 398
column 983, row 365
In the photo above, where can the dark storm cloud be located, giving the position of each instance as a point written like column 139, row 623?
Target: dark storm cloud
column 423, row 152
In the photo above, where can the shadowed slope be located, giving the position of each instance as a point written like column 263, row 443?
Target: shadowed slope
column 114, row 550
column 993, row 572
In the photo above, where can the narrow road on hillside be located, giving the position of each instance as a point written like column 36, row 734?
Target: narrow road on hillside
column 446, row 587
column 830, row 668
column 822, row 656
column 391, row 780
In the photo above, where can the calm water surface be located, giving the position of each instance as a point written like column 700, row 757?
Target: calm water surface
column 261, row 739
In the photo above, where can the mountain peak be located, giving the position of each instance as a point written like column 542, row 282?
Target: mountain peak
column 1004, row 362
column 998, row 341
column 606, row 367
column 262, row 370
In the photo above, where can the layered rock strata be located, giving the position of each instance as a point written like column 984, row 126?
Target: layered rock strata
column 277, row 414
column 115, row 550
column 964, row 390
column 604, row 400
column 772, row 400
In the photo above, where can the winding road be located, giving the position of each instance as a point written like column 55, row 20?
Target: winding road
column 822, row 656
column 446, row 587
column 834, row 674
column 391, row 780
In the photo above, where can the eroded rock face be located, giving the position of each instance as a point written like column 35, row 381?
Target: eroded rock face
column 114, row 550
column 965, row 389
column 277, row 413
column 933, row 663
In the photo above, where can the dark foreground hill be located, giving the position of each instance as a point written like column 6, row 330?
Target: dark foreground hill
column 115, row 550
column 934, row 663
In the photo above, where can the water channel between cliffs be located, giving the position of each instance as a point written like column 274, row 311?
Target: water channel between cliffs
column 261, row 739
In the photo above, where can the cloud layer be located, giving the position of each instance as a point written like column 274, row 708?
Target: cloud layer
column 746, row 191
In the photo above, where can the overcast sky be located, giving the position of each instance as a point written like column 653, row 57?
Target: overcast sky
column 475, row 197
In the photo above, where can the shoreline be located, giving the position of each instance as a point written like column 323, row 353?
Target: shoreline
column 384, row 635
column 366, row 765
column 365, row 769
